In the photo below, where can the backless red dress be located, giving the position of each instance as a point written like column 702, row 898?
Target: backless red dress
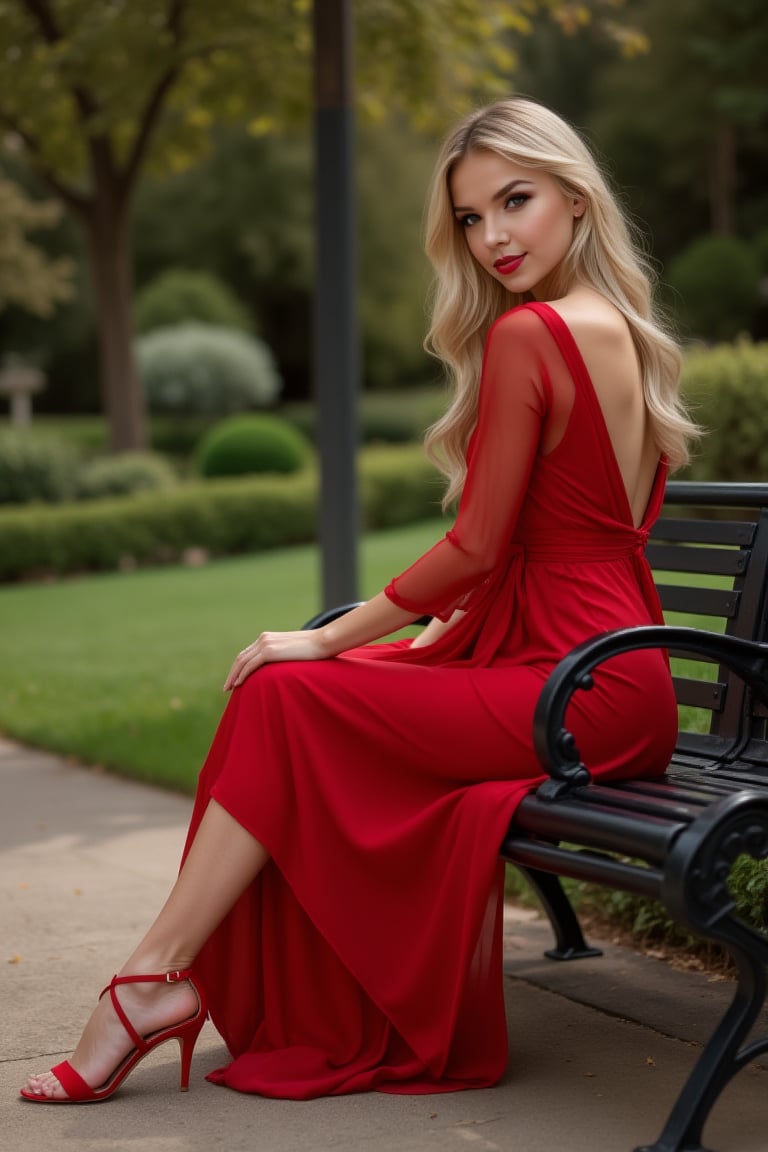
column 367, row 953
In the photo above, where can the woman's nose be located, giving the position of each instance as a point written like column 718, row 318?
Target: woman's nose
column 495, row 234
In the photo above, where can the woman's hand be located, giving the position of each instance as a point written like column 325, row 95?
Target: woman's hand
column 274, row 647
column 370, row 621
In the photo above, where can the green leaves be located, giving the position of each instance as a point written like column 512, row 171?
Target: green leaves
column 28, row 278
column 115, row 82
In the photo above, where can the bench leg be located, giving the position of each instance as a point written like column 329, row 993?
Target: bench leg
column 696, row 892
column 723, row 1055
column 569, row 939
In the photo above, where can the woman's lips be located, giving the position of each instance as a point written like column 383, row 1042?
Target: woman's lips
column 508, row 264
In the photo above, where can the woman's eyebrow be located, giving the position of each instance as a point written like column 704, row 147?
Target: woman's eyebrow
column 502, row 192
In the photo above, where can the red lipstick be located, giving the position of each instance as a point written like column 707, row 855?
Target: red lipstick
column 508, row 264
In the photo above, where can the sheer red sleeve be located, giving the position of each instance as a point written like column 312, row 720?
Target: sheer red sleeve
column 514, row 399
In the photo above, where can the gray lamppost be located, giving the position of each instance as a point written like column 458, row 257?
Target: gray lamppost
column 336, row 339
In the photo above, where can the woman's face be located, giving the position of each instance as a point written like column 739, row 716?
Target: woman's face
column 518, row 221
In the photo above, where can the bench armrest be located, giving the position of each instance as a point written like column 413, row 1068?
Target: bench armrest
column 330, row 614
column 555, row 745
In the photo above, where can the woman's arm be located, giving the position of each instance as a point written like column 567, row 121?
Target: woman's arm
column 435, row 629
column 512, row 406
column 370, row 621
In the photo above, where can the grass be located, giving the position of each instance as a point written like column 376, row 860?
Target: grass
column 694, row 719
column 125, row 670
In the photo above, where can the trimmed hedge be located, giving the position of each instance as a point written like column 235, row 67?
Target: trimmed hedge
column 33, row 469
column 726, row 387
column 384, row 417
column 223, row 517
column 252, row 443
column 398, row 485
column 123, row 475
column 715, row 284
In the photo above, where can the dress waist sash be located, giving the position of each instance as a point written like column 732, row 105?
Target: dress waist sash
column 583, row 548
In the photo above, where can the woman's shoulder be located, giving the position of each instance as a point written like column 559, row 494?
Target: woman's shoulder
column 518, row 322
column 604, row 339
column 591, row 317
column 593, row 323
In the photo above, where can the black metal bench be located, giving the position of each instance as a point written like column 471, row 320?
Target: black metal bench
column 674, row 838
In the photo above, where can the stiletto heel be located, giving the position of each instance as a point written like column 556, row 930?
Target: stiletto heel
column 186, row 1048
column 186, row 1032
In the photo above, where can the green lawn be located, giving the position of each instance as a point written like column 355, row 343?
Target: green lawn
column 125, row 670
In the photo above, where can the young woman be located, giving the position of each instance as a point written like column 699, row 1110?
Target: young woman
column 338, row 906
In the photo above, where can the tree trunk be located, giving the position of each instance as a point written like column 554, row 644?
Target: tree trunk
column 109, row 248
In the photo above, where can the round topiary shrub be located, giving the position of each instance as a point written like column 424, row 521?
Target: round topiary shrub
column 252, row 443
column 124, row 474
column 199, row 370
column 715, row 282
column 32, row 469
column 726, row 387
column 178, row 296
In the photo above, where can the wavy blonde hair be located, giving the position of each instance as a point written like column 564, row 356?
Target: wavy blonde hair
column 604, row 255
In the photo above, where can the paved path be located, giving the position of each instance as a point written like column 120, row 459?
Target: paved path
column 597, row 1048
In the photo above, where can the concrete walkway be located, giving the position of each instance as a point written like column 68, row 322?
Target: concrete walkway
column 598, row 1048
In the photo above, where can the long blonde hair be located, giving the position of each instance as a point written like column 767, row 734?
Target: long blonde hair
column 603, row 255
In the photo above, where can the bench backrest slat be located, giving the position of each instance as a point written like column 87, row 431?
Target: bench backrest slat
column 709, row 694
column 709, row 554
column 703, row 561
column 720, row 602
column 697, row 531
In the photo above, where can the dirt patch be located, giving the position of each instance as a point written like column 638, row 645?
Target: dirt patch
column 686, row 956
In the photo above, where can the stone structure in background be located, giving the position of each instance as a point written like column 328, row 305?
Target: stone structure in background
column 20, row 382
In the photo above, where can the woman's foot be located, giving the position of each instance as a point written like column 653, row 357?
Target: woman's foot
column 105, row 1043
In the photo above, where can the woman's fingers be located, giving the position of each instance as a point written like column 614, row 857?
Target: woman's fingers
column 245, row 662
column 273, row 647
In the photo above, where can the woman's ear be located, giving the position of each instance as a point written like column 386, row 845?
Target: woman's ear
column 579, row 207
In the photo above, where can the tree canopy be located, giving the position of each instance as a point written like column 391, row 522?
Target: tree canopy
column 95, row 91
column 124, row 81
column 29, row 279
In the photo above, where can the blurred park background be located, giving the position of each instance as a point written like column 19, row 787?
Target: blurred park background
column 157, row 243
column 158, row 444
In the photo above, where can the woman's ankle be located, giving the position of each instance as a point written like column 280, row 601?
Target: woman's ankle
column 155, row 963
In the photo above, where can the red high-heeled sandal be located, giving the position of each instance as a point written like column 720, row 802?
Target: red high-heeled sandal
column 187, row 1032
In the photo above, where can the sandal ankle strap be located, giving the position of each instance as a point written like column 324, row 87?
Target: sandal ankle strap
column 159, row 978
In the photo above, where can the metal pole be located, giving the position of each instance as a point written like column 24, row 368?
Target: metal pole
column 336, row 341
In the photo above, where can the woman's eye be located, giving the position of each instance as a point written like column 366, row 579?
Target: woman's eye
column 468, row 220
column 516, row 200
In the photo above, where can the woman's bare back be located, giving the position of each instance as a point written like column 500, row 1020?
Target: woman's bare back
column 604, row 340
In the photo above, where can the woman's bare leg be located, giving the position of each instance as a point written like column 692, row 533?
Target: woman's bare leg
column 222, row 861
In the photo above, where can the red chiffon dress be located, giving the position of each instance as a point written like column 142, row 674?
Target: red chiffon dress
column 367, row 953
